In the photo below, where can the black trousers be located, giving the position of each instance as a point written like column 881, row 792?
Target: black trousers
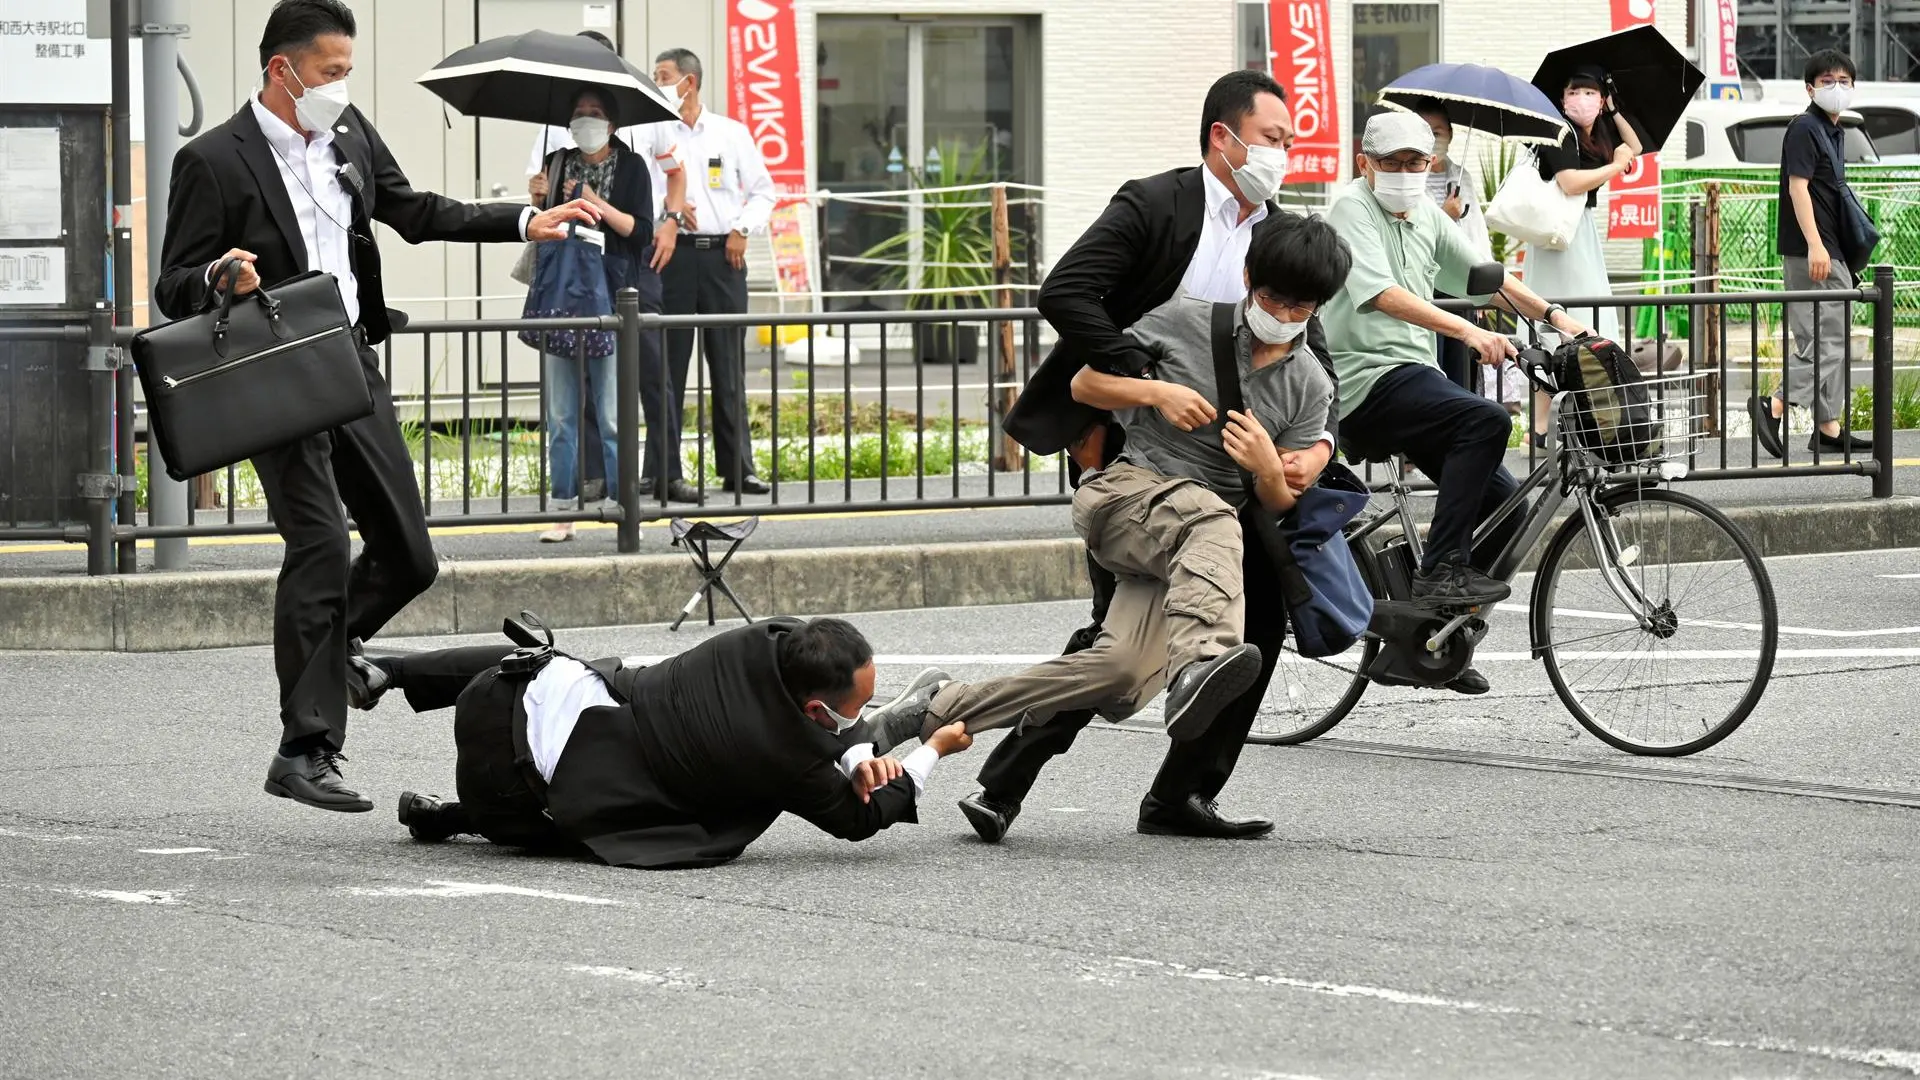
column 326, row 595
column 496, row 800
column 1454, row 436
column 1200, row 767
column 699, row 281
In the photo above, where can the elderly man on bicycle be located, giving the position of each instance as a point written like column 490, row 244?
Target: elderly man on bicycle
column 1393, row 397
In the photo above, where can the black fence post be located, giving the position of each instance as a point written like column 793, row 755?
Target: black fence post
column 101, row 486
column 627, row 307
column 1883, row 382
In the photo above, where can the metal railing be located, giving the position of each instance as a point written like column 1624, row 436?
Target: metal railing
column 834, row 424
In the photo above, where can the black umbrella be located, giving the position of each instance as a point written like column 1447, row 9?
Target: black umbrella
column 1652, row 82
column 535, row 76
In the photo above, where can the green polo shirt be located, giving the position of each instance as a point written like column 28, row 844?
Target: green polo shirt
column 1419, row 252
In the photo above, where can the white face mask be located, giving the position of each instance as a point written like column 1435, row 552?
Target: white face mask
column 590, row 133
column 1260, row 178
column 1270, row 329
column 1400, row 192
column 318, row 107
column 673, row 93
column 1833, row 99
column 840, row 723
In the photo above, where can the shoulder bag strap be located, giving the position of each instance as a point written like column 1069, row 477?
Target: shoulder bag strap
column 1226, row 377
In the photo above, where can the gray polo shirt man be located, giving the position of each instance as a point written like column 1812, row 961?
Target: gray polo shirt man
column 1289, row 398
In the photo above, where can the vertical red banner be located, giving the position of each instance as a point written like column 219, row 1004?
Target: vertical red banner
column 1633, row 201
column 763, row 84
column 1302, row 57
column 1628, row 14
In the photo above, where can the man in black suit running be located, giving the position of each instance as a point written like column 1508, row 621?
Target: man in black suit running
column 1186, row 230
column 291, row 183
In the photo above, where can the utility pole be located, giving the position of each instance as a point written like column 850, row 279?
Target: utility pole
column 161, row 24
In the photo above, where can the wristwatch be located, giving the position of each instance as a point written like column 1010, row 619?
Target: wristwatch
column 1547, row 316
column 674, row 216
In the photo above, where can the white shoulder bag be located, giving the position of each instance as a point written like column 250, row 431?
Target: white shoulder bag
column 1533, row 210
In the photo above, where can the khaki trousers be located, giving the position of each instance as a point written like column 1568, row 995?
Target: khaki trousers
column 1175, row 548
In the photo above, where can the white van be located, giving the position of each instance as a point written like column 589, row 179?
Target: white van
column 1748, row 134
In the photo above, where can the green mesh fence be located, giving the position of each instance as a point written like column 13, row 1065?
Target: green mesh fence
column 1749, row 223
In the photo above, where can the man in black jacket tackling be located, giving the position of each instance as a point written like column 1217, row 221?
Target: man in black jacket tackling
column 1181, row 231
column 291, row 183
column 681, row 764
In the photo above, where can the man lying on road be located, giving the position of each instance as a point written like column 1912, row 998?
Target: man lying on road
column 681, row 764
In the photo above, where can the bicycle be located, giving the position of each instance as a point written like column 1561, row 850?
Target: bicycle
column 1632, row 552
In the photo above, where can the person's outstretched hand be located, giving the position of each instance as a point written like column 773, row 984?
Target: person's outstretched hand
column 552, row 224
column 950, row 739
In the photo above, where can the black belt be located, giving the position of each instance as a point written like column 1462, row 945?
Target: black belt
column 706, row 241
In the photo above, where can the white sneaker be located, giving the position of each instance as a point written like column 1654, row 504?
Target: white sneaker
column 559, row 534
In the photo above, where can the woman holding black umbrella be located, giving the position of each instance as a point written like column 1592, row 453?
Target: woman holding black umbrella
column 1602, row 145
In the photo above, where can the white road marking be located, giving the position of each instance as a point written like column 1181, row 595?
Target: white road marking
column 148, row 896
column 1715, row 624
column 17, row 834
column 1898, row 577
column 1067, row 809
column 669, row 977
column 176, row 850
column 1906, row 1060
column 465, row 889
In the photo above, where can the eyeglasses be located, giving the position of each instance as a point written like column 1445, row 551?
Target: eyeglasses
column 1284, row 310
column 1395, row 165
column 1829, row 80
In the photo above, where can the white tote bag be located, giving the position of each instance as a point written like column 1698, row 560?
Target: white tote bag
column 1533, row 210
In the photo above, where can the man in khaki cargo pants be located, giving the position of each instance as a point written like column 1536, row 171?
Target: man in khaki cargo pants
column 1164, row 516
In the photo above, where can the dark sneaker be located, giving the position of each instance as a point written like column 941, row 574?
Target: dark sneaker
column 1457, row 584
column 1204, row 687
column 1766, row 426
column 991, row 818
column 1470, row 682
column 314, row 779
column 1819, row 442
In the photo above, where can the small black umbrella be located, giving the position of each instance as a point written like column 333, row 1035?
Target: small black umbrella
column 1652, row 82
column 535, row 76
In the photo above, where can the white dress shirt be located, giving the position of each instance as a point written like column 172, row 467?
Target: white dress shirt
column 654, row 141
column 727, row 179
column 918, row 765
column 554, row 700
column 1217, row 273
column 321, row 203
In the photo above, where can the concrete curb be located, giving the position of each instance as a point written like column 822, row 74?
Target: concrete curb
column 159, row 612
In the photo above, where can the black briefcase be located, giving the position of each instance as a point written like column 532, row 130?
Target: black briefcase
column 253, row 373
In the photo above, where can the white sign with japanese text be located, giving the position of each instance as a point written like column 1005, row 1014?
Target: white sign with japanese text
column 46, row 57
column 32, row 276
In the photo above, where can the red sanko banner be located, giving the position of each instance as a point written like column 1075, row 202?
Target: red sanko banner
column 1302, row 58
column 1628, row 14
column 1633, row 201
column 763, row 84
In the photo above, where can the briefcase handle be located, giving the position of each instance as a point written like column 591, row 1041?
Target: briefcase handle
column 226, row 293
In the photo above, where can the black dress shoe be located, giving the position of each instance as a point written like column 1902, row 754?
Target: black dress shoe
column 989, row 817
column 366, row 680
column 314, row 778
column 1469, row 682
column 1204, row 687
column 748, row 485
column 1197, row 815
column 1766, row 426
column 428, row 819
column 682, row 492
column 1820, row 442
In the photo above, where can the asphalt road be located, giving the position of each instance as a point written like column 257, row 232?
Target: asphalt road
column 1410, row 917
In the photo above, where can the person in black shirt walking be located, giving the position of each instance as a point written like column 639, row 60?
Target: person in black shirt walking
column 1813, row 177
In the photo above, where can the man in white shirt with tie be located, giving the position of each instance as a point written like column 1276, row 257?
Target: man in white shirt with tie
column 732, row 196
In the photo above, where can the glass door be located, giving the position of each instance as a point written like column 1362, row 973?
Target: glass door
column 908, row 106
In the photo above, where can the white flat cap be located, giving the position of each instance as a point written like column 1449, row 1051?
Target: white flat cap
column 1393, row 131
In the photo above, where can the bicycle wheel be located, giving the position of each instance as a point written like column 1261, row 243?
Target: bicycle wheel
column 1676, row 663
column 1307, row 696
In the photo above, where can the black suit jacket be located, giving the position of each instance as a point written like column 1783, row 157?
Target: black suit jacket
column 706, row 751
column 1130, row 261
column 227, row 193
